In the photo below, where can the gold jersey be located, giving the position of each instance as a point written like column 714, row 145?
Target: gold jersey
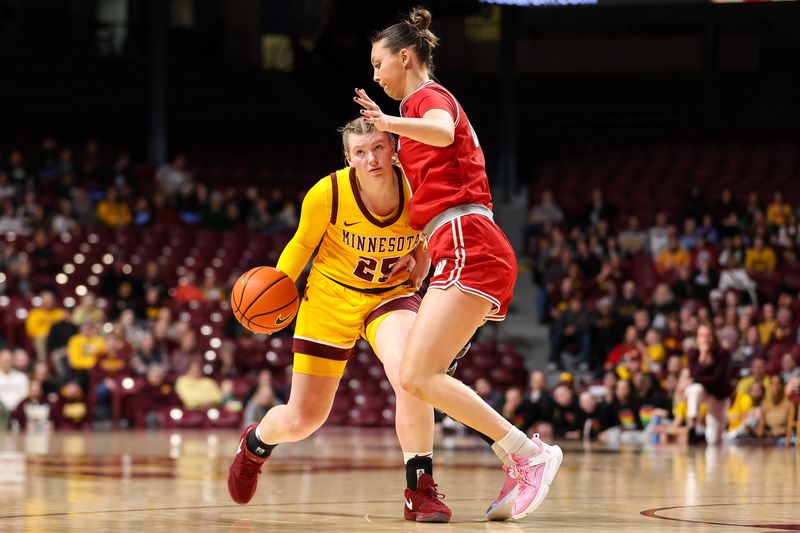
column 357, row 248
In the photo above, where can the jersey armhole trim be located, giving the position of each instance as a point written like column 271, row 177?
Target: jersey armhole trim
column 334, row 198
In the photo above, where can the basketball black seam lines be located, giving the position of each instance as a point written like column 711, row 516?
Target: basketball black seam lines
column 274, row 310
column 244, row 313
column 244, row 286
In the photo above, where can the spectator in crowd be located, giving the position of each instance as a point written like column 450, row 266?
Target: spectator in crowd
column 110, row 365
column 789, row 367
column 153, row 280
column 785, row 331
column 64, row 220
column 185, row 353
column 567, row 420
column 760, row 258
column 197, row 391
column 767, row 324
column 492, row 397
column 13, row 387
column 570, row 331
column 146, row 355
column 113, row 212
column 142, row 213
column 748, row 349
column 630, row 343
column 710, row 370
column 174, row 177
column 658, row 234
column 543, row 214
column 83, row 350
column 226, row 356
column 262, row 401
column 33, row 413
column 633, row 239
column 673, row 256
column 513, row 408
column 88, row 311
column 744, row 414
column 156, row 396
column 598, row 208
column 592, row 412
column 628, row 303
column 212, row 291
column 40, row 320
column 49, row 384
column 778, row 211
column 774, row 410
column 22, row 361
column 187, row 289
column 622, row 416
column 57, row 340
column 689, row 237
column 70, row 410
column 756, row 373
column 126, row 298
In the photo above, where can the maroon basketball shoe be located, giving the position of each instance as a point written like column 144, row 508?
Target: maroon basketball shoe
column 244, row 471
column 423, row 504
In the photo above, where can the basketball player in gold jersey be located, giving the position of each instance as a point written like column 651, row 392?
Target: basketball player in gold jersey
column 363, row 283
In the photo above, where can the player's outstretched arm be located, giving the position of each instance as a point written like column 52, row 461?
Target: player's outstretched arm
column 315, row 214
column 436, row 127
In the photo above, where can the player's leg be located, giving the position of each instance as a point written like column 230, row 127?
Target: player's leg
column 308, row 407
column 413, row 420
column 446, row 320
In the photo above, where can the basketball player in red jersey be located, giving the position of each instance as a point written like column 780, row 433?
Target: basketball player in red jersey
column 475, row 266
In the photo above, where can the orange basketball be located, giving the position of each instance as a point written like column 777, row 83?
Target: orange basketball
column 264, row 300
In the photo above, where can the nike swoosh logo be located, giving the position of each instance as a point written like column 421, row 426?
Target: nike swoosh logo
column 280, row 320
column 348, row 224
column 409, row 505
column 240, row 447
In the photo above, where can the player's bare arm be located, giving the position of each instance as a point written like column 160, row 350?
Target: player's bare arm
column 435, row 128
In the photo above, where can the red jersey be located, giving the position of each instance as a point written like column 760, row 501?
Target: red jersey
column 442, row 177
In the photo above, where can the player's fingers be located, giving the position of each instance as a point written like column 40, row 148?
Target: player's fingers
column 363, row 95
column 365, row 103
column 404, row 264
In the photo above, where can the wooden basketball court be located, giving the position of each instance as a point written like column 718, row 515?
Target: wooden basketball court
column 351, row 480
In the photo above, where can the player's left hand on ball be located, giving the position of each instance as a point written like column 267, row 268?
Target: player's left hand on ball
column 372, row 113
column 403, row 266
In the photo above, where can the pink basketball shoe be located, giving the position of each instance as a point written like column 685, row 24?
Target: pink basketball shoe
column 500, row 509
column 534, row 475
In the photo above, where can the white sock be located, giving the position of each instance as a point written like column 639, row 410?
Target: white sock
column 502, row 454
column 517, row 443
column 410, row 455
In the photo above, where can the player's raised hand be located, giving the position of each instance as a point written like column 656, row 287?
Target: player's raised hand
column 372, row 112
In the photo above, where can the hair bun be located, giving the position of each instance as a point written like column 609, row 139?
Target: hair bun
column 420, row 18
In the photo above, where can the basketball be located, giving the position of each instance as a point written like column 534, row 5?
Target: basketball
column 264, row 300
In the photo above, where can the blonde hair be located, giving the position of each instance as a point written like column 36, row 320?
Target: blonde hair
column 411, row 33
column 358, row 126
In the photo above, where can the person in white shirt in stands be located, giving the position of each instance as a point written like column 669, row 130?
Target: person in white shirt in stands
column 13, row 387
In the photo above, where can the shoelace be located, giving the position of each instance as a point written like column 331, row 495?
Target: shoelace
column 433, row 492
column 250, row 469
column 522, row 474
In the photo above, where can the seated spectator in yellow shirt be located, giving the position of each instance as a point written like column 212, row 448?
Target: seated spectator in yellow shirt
column 197, row 391
column 84, row 348
column 758, row 372
column 113, row 212
column 673, row 257
column 778, row 211
column 759, row 258
column 40, row 320
column 767, row 324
